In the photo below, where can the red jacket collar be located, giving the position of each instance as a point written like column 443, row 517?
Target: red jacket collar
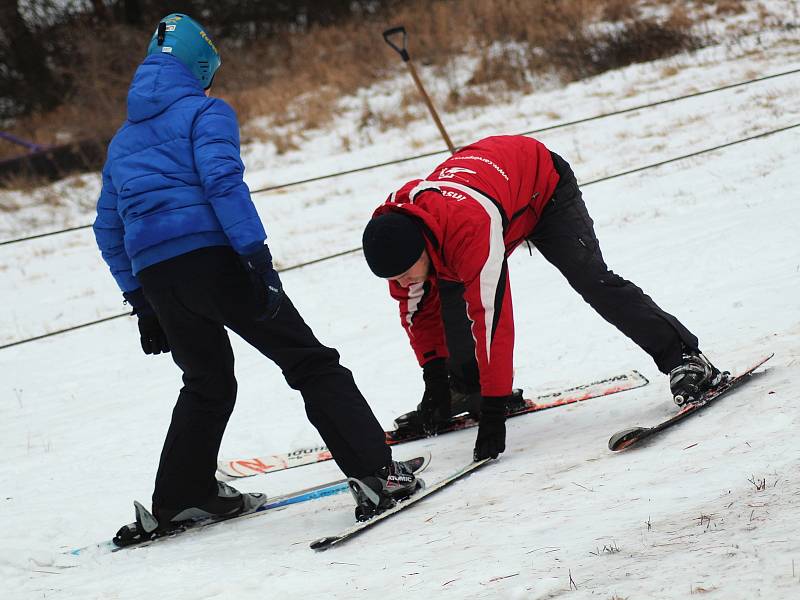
column 405, row 200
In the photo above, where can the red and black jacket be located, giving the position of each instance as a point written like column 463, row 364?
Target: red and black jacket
column 475, row 208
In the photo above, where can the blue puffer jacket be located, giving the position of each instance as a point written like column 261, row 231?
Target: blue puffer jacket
column 172, row 182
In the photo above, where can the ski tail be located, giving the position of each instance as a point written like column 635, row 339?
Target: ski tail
column 136, row 536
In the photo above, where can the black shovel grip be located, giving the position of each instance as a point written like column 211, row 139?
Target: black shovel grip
column 401, row 50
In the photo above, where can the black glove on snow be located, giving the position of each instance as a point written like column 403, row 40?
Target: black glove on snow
column 435, row 406
column 266, row 280
column 153, row 338
column 492, row 428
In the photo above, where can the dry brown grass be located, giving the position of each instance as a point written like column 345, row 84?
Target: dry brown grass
column 728, row 7
column 21, row 183
column 457, row 99
column 296, row 80
column 514, row 40
column 96, row 106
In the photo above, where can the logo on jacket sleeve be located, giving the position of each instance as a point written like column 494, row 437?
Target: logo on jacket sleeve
column 451, row 172
column 456, row 195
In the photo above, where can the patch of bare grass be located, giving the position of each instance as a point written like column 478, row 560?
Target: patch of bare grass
column 457, row 99
column 19, row 183
column 630, row 42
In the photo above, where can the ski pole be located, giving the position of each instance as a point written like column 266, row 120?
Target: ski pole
column 407, row 59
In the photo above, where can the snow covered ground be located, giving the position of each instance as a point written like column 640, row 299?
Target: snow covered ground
column 713, row 239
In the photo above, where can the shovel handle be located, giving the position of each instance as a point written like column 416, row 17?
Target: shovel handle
column 401, row 50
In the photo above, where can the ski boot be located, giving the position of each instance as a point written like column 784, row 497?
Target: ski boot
column 469, row 403
column 460, row 403
column 386, row 487
column 226, row 504
column 515, row 402
column 693, row 378
column 465, row 402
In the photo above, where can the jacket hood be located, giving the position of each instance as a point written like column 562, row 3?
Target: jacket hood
column 160, row 81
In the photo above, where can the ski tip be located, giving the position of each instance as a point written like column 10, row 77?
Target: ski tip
column 766, row 358
column 419, row 463
column 324, row 543
column 623, row 439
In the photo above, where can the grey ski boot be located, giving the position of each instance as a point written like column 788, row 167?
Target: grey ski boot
column 693, row 378
column 386, row 487
column 226, row 504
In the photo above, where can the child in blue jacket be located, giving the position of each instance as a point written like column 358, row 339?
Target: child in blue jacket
column 179, row 231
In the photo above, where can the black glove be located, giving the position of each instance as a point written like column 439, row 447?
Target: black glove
column 266, row 280
column 435, row 406
column 492, row 428
column 152, row 336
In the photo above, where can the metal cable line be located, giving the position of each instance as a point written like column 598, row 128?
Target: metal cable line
column 354, row 250
column 445, row 151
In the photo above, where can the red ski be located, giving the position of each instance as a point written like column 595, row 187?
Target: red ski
column 246, row 467
column 595, row 389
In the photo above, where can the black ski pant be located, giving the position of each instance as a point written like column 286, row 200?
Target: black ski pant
column 565, row 237
column 196, row 297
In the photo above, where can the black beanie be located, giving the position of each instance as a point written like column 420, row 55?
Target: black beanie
column 392, row 243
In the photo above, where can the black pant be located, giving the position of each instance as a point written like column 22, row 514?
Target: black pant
column 196, row 296
column 565, row 236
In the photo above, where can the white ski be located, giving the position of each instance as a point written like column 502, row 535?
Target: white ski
column 247, row 467
column 349, row 533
